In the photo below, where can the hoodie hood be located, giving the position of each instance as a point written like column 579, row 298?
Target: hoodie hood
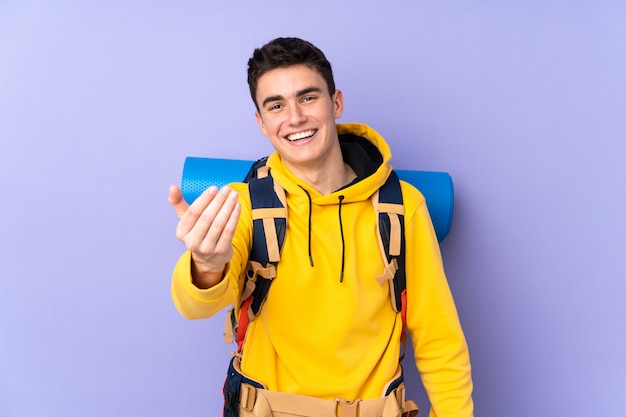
column 363, row 149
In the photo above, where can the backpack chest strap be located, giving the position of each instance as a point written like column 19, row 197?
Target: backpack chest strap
column 269, row 217
column 393, row 212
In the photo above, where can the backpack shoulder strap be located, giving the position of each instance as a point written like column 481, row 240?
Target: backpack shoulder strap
column 269, row 216
column 388, row 204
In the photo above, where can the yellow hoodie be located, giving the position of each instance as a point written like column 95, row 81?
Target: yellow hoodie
column 327, row 337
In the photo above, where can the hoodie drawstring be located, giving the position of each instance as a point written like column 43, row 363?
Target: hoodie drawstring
column 343, row 242
column 310, row 225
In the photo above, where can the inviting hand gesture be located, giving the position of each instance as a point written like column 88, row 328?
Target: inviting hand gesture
column 207, row 227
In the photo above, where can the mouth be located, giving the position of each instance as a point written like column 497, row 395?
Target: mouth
column 300, row 135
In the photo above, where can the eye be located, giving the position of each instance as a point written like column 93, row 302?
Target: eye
column 275, row 107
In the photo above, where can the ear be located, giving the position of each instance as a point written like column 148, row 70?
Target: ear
column 259, row 121
column 338, row 104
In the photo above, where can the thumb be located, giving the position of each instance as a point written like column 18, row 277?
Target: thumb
column 175, row 198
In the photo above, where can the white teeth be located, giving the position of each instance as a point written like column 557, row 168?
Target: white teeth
column 300, row 135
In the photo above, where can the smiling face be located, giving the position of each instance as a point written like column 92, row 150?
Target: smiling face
column 297, row 114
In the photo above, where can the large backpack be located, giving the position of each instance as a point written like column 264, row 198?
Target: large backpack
column 269, row 213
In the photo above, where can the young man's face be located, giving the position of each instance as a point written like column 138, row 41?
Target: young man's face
column 297, row 114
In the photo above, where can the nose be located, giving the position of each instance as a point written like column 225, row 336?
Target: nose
column 296, row 115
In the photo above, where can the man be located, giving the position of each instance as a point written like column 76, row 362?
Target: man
column 326, row 335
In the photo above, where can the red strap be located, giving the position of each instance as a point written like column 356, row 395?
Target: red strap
column 242, row 326
column 403, row 335
column 403, row 312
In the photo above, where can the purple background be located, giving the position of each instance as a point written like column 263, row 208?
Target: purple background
column 523, row 103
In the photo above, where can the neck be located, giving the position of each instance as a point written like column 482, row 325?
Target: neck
column 328, row 179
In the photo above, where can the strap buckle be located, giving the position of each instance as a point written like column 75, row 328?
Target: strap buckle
column 247, row 397
column 347, row 408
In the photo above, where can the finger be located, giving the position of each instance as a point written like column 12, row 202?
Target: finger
column 193, row 212
column 216, row 216
column 198, row 228
column 214, row 254
column 225, row 223
column 226, row 238
column 175, row 198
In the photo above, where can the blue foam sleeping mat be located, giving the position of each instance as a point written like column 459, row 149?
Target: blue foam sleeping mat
column 437, row 187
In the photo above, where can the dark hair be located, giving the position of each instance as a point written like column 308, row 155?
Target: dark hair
column 285, row 52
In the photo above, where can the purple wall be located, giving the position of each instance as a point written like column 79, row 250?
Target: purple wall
column 524, row 103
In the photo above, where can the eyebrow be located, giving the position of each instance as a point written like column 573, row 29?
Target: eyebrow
column 300, row 93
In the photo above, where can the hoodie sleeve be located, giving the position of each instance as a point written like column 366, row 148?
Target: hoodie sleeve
column 439, row 345
column 195, row 303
